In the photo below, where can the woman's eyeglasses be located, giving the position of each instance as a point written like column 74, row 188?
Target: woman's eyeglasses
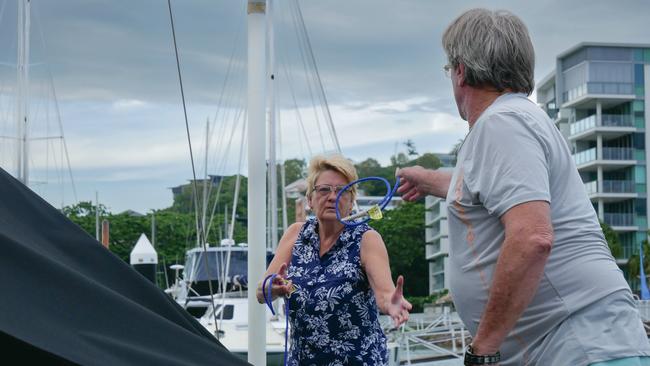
column 325, row 189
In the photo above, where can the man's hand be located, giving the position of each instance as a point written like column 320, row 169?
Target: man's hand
column 417, row 182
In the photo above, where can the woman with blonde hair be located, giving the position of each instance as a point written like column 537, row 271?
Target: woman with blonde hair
column 341, row 277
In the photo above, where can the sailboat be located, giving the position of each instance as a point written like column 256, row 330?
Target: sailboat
column 226, row 314
column 32, row 145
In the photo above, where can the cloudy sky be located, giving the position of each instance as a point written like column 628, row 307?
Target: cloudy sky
column 113, row 69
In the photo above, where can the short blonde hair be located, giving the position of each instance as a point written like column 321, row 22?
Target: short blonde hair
column 336, row 163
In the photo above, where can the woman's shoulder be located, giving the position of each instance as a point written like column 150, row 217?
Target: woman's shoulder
column 371, row 234
column 296, row 226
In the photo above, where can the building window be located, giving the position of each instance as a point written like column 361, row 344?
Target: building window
column 610, row 53
column 638, row 106
column 638, row 74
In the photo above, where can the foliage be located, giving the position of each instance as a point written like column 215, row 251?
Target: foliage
column 633, row 264
column 426, row 160
column 371, row 168
column 612, row 240
column 403, row 232
column 174, row 231
column 294, row 169
column 418, row 302
column 402, row 228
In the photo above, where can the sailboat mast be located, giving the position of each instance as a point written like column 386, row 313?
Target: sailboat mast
column 256, row 175
column 273, row 175
column 22, row 94
column 204, row 206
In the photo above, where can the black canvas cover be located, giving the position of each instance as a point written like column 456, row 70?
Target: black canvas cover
column 65, row 299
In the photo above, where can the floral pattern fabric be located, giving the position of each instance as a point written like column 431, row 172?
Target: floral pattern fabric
column 333, row 314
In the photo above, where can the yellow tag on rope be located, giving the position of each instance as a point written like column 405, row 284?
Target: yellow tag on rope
column 375, row 213
column 293, row 287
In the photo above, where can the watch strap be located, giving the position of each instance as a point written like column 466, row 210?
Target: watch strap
column 473, row 359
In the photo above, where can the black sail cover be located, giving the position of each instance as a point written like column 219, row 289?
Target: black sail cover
column 65, row 299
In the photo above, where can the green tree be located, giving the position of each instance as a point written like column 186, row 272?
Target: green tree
column 403, row 232
column 612, row 240
column 294, row 169
column 633, row 264
column 427, row 160
column 399, row 160
column 84, row 215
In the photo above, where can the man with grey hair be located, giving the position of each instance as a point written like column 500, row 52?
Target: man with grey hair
column 531, row 274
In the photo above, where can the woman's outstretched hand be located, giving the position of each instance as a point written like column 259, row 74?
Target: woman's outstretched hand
column 399, row 308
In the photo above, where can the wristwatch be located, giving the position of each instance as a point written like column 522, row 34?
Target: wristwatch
column 474, row 359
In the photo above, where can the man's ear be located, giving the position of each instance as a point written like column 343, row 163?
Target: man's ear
column 460, row 75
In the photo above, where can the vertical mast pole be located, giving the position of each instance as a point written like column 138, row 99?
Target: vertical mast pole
column 273, row 175
column 22, row 94
column 256, row 176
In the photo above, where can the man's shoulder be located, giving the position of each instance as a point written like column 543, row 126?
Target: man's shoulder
column 512, row 114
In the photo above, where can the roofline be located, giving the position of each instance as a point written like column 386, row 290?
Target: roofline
column 602, row 44
column 546, row 80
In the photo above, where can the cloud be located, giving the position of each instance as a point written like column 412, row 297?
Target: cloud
column 128, row 104
column 379, row 61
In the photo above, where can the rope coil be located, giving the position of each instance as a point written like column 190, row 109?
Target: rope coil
column 268, row 299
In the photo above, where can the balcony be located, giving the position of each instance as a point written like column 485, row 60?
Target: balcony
column 437, row 249
column 428, row 234
column 612, row 190
column 612, row 157
column 609, row 121
column 618, row 186
column 585, row 156
column 431, row 250
column 618, row 153
column 609, row 94
column 610, row 88
column 428, row 202
column 440, row 230
column 428, row 218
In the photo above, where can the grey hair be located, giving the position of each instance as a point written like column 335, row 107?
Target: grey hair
column 494, row 47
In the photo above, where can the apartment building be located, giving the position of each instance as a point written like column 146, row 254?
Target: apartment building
column 597, row 98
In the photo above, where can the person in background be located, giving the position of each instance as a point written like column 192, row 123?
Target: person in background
column 531, row 274
column 341, row 277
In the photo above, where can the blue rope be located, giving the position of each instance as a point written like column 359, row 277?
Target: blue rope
column 268, row 299
column 390, row 192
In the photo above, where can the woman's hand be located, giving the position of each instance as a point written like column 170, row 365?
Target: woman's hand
column 399, row 308
column 279, row 288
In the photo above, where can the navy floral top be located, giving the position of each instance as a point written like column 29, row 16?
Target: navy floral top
column 333, row 314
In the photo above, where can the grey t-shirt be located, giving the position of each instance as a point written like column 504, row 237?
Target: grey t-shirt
column 514, row 154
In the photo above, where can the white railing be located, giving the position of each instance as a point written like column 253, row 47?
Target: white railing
column 611, row 186
column 607, row 120
column 618, row 153
column 585, row 156
column 428, row 336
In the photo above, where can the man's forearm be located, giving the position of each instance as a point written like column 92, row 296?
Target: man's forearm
column 438, row 183
column 517, row 274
